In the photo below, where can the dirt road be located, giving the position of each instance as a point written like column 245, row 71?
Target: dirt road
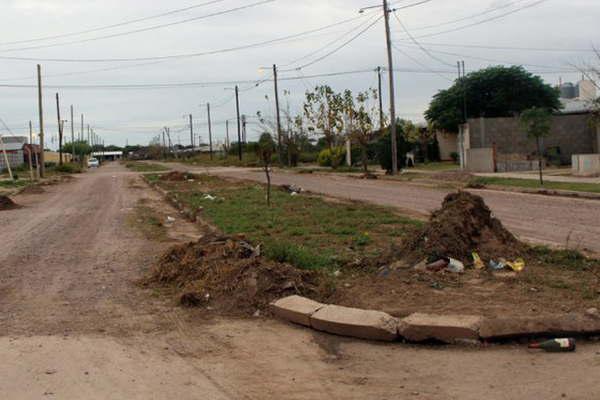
column 74, row 325
column 557, row 221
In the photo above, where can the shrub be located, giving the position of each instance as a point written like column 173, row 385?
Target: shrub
column 384, row 150
column 68, row 168
column 455, row 157
column 331, row 157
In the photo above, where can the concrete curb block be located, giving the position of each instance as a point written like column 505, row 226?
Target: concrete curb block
column 420, row 327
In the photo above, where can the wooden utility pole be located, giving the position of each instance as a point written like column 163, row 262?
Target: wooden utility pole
column 210, row 147
column 226, row 137
column 81, row 134
column 192, row 131
column 239, row 128
column 37, row 167
column 278, row 113
column 386, row 12
column 41, row 114
column 244, row 138
column 72, row 136
column 60, row 132
column 381, row 119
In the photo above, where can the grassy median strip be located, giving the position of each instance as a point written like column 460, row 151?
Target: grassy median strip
column 535, row 184
column 305, row 231
column 146, row 167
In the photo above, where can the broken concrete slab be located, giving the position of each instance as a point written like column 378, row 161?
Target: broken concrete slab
column 567, row 324
column 295, row 309
column 353, row 322
column 419, row 327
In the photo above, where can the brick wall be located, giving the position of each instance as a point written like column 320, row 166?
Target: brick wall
column 573, row 134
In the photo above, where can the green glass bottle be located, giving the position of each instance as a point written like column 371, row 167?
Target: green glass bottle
column 556, row 345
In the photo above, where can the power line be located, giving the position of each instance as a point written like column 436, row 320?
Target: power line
column 512, row 48
column 101, row 28
column 151, row 28
column 535, row 3
column 188, row 55
column 419, row 45
column 420, row 63
column 335, row 50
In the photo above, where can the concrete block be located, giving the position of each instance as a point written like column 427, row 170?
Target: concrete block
column 353, row 322
column 419, row 327
column 502, row 328
column 296, row 309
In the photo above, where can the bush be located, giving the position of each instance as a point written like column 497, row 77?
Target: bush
column 308, row 158
column 384, row 150
column 455, row 157
column 331, row 157
column 68, row 168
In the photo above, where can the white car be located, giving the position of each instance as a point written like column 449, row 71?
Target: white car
column 93, row 163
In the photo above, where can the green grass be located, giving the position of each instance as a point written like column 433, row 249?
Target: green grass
column 305, row 231
column 12, row 184
column 145, row 167
column 535, row 184
column 438, row 166
column 220, row 160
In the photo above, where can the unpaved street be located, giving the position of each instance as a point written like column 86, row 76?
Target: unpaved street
column 553, row 220
column 75, row 325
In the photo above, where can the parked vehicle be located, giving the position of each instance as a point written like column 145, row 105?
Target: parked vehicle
column 93, row 163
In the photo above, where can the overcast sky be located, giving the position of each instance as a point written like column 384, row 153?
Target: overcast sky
column 135, row 115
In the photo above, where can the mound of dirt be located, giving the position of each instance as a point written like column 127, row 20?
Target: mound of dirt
column 6, row 203
column 453, row 176
column 174, row 176
column 228, row 275
column 33, row 189
column 463, row 225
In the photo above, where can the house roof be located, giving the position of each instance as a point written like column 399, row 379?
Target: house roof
column 12, row 143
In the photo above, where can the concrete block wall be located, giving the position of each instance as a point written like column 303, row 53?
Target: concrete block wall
column 573, row 134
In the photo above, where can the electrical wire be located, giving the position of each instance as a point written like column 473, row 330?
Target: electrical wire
column 151, row 28
column 416, row 61
column 427, row 52
column 494, row 18
column 511, row 48
column 188, row 55
column 102, row 28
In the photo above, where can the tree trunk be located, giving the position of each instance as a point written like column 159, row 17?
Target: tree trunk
column 268, row 185
column 539, row 149
column 365, row 159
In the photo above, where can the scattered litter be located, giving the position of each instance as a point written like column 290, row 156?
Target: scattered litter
column 477, row 263
column 256, row 314
column 171, row 219
column 438, row 265
column 337, row 273
column 518, row 265
column 556, row 345
column 294, row 194
column 209, row 197
column 455, row 266
column 496, row 266
column 292, row 189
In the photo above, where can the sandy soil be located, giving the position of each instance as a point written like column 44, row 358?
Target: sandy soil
column 556, row 221
column 73, row 324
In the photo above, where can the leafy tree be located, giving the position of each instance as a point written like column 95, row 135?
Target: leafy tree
column 324, row 109
column 536, row 122
column 496, row 91
column 384, row 148
column 264, row 150
column 363, row 115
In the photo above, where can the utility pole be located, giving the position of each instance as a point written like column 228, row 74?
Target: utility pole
column 210, row 147
column 164, row 143
column 244, row 138
column 89, row 137
column 37, row 164
column 60, row 132
column 41, row 114
column 81, row 132
column 72, row 136
column 381, row 121
column 226, row 137
column 386, row 12
column 279, row 147
column 239, row 128
column 192, row 131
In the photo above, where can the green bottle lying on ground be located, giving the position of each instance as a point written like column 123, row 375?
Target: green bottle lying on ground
column 555, row 345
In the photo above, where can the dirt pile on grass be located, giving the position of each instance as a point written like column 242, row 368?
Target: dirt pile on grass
column 33, row 189
column 6, row 203
column 228, row 275
column 174, row 176
column 463, row 225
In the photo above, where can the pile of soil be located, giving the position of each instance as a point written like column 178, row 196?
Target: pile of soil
column 463, row 225
column 227, row 275
column 6, row 203
column 174, row 176
column 453, row 176
column 33, row 189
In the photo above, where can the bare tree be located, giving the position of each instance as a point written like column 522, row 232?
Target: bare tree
column 265, row 149
column 363, row 113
